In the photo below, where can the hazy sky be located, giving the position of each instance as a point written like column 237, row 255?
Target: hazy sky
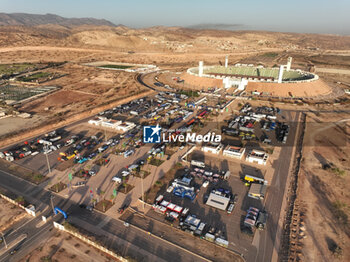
column 312, row 16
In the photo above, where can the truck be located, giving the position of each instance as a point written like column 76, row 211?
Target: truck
column 261, row 220
column 248, row 179
column 255, row 219
column 257, row 191
column 198, row 163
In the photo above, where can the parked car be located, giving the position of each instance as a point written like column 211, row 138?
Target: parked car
column 170, row 189
column 129, row 153
column 230, row 208
column 205, row 184
column 116, row 179
column 125, row 173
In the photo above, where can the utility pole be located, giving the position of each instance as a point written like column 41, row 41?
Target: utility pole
column 3, row 237
column 53, row 209
column 143, row 197
column 46, row 148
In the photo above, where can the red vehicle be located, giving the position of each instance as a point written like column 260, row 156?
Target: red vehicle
column 191, row 121
column 202, row 114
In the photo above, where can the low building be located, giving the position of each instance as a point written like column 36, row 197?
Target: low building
column 257, row 156
column 234, row 152
column 125, row 126
column 257, row 191
column 213, row 148
column 111, row 123
column 218, row 201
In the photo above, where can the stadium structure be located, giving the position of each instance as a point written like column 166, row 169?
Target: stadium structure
column 282, row 81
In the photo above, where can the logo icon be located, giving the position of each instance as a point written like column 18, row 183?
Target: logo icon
column 151, row 134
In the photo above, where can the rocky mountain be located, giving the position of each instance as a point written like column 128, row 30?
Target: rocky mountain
column 35, row 20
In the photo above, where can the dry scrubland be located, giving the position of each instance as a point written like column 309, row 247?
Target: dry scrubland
column 64, row 247
column 9, row 214
column 323, row 193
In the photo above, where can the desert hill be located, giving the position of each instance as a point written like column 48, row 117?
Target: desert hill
column 53, row 30
column 33, row 20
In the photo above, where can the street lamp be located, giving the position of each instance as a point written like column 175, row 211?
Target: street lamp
column 143, row 197
column 46, row 149
column 53, row 209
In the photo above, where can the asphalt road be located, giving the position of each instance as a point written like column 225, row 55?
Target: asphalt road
column 25, row 234
column 129, row 241
column 267, row 238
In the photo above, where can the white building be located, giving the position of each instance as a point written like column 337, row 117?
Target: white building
column 113, row 124
column 125, row 126
column 257, row 156
column 213, row 148
column 110, row 123
column 234, row 152
column 218, row 201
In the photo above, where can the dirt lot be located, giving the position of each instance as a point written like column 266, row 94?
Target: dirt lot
column 9, row 214
column 64, row 247
column 83, row 87
column 323, row 197
column 13, row 124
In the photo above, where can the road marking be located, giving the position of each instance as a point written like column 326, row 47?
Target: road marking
column 12, row 244
column 21, row 226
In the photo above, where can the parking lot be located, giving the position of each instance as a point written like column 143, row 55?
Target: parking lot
column 228, row 226
column 98, row 159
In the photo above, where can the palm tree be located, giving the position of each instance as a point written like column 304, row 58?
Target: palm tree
column 124, row 184
column 104, row 205
column 112, row 198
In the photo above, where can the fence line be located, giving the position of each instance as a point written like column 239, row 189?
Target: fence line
column 89, row 241
column 28, row 210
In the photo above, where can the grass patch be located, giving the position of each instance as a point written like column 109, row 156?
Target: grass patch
column 270, row 54
column 158, row 183
column 156, row 162
column 339, row 211
column 81, row 173
column 178, row 164
column 339, row 172
column 15, row 68
column 142, row 172
column 125, row 188
column 34, row 77
column 101, row 161
column 70, row 227
column 189, row 93
column 20, row 200
column 58, row 187
column 116, row 66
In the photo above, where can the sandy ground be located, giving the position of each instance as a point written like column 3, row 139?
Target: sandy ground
column 13, row 124
column 9, row 214
column 64, row 247
column 323, row 196
column 333, row 71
